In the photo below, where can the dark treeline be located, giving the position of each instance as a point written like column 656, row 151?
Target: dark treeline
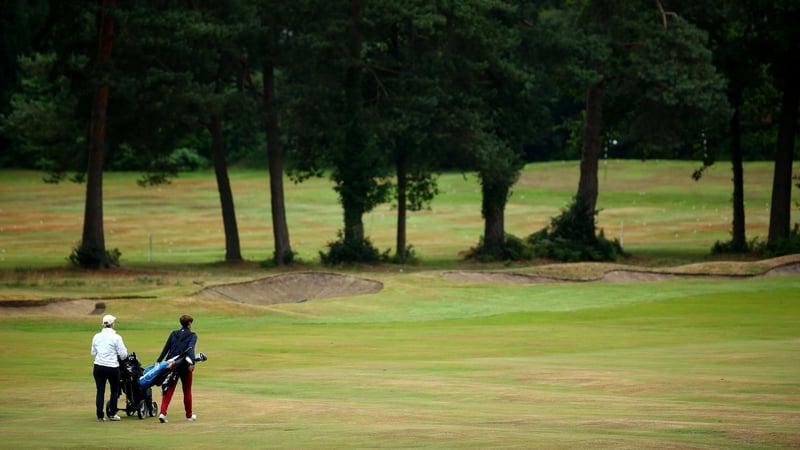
column 381, row 95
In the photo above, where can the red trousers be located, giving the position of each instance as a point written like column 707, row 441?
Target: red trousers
column 186, row 384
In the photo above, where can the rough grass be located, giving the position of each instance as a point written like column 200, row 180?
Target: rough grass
column 653, row 207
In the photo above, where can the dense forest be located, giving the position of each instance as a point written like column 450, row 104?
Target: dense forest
column 383, row 95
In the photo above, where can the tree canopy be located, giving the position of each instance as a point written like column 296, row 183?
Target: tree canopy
column 380, row 96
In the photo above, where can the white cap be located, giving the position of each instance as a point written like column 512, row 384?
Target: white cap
column 108, row 319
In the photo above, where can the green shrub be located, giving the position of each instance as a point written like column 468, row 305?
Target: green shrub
column 485, row 253
column 163, row 169
column 513, row 249
column 407, row 257
column 343, row 252
column 727, row 247
column 783, row 246
column 761, row 248
column 290, row 258
column 187, row 160
column 90, row 256
column 516, row 249
column 571, row 238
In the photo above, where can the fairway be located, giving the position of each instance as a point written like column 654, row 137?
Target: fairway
column 689, row 353
column 438, row 364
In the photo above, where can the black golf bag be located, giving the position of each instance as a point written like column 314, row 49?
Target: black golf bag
column 138, row 400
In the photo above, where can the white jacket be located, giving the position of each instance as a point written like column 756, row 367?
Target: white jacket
column 108, row 348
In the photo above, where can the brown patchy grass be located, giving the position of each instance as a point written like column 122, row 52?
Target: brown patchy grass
column 651, row 205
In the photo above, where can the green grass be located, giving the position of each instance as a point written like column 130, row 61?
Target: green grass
column 427, row 362
column 705, row 364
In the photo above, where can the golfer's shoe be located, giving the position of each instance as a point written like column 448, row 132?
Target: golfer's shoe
column 101, row 419
column 192, row 419
column 114, row 418
column 162, row 418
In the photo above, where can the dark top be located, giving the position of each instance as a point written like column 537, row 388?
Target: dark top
column 178, row 342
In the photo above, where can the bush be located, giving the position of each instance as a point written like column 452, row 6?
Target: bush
column 407, row 257
column 288, row 259
column 571, row 238
column 187, row 160
column 163, row 169
column 343, row 252
column 547, row 245
column 513, row 249
column 516, row 249
column 89, row 256
column 783, row 246
column 761, row 248
column 727, row 247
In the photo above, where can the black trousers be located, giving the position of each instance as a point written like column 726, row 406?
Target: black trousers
column 103, row 374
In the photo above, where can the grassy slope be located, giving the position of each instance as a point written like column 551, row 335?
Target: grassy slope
column 426, row 362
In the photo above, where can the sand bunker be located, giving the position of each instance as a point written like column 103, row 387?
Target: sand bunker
column 294, row 288
column 612, row 276
column 51, row 307
column 501, row 278
column 306, row 286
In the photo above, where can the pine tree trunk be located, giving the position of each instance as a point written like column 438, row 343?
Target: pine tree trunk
column 494, row 199
column 93, row 238
column 402, row 185
column 738, row 239
column 590, row 152
column 232, row 249
column 780, row 209
column 280, row 229
column 352, row 203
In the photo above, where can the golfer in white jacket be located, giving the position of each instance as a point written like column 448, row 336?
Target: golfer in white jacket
column 107, row 349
